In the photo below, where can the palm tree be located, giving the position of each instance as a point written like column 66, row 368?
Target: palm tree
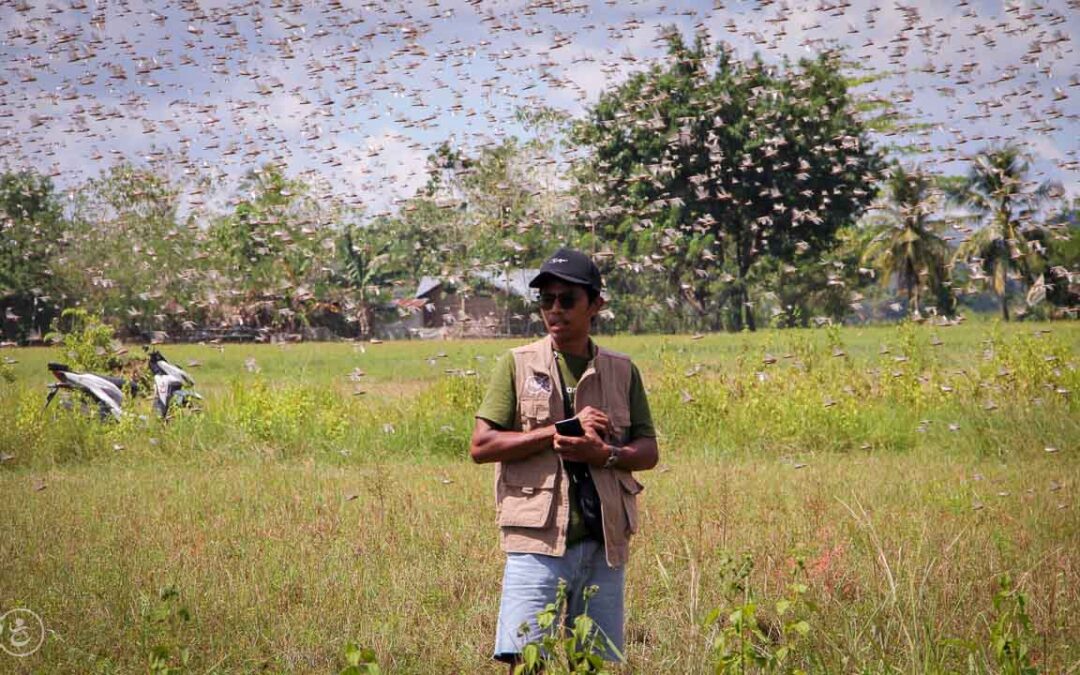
column 907, row 245
column 997, row 194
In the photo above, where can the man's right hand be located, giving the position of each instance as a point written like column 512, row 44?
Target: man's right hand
column 595, row 419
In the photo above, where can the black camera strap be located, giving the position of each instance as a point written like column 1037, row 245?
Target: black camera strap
column 581, row 482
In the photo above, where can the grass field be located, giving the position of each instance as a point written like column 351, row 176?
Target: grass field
column 899, row 473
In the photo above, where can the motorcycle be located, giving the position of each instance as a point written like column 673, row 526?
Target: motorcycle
column 108, row 392
column 104, row 390
column 169, row 381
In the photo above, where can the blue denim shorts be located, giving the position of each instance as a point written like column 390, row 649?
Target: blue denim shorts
column 530, row 581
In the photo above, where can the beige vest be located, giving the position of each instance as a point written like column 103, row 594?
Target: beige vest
column 531, row 494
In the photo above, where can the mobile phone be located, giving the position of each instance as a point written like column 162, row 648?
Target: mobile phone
column 570, row 427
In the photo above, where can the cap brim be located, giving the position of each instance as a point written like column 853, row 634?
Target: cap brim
column 539, row 279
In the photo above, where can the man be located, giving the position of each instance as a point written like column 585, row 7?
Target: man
column 566, row 505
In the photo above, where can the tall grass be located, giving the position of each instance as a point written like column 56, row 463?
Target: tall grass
column 788, row 393
column 294, row 516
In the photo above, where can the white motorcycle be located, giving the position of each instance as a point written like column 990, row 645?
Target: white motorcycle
column 105, row 391
column 108, row 392
column 169, row 381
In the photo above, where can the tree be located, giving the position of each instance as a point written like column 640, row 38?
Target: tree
column 907, row 245
column 498, row 206
column 501, row 204
column 815, row 291
column 274, row 251
column 1062, row 264
column 362, row 271
column 700, row 168
column 127, row 255
column 1001, row 198
column 31, row 235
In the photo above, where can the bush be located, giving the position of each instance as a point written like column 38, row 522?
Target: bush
column 86, row 343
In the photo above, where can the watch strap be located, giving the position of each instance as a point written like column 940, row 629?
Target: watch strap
column 613, row 456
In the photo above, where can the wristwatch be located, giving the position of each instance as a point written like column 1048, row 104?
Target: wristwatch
column 613, row 456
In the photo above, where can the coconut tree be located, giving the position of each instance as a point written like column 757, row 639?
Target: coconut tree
column 906, row 244
column 998, row 196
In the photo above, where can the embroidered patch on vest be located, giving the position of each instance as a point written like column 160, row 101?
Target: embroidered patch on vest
column 537, row 384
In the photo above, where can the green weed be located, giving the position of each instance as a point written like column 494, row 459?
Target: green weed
column 580, row 649
column 164, row 623
column 1011, row 631
column 360, row 661
column 744, row 640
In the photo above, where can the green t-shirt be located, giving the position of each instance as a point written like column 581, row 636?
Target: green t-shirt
column 500, row 402
column 500, row 408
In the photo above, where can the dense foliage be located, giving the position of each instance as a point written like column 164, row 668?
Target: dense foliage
column 715, row 193
column 700, row 172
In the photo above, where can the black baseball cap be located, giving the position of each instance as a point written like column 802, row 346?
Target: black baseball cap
column 569, row 265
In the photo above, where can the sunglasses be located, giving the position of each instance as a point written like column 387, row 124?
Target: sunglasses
column 566, row 300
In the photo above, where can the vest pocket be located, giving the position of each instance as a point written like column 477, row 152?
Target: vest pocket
column 620, row 426
column 630, row 489
column 526, row 506
column 526, row 491
column 535, row 413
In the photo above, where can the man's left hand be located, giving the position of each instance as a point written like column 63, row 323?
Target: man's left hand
column 589, row 448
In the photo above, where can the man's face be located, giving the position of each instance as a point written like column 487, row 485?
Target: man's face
column 566, row 310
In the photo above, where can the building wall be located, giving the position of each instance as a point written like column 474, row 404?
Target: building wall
column 483, row 315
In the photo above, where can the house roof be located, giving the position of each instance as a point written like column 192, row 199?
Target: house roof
column 411, row 304
column 427, row 285
column 516, row 281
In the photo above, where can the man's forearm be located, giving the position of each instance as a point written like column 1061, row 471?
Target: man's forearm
column 640, row 454
column 495, row 445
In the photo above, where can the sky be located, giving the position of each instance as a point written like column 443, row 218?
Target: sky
column 354, row 96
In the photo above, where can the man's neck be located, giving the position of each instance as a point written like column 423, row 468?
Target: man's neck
column 581, row 347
